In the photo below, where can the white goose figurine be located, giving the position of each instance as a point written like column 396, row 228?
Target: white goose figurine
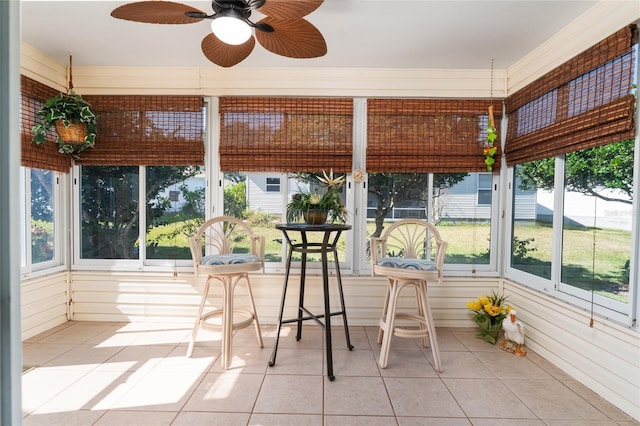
column 513, row 334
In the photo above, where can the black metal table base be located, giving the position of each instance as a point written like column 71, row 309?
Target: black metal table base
column 329, row 244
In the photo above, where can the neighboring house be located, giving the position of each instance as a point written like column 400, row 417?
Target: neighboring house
column 264, row 192
column 175, row 194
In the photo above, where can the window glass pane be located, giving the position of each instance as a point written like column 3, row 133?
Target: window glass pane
column 596, row 234
column 273, row 184
column 42, row 215
column 175, row 200
column 246, row 197
column 464, row 222
column 109, row 212
column 24, row 237
column 533, row 195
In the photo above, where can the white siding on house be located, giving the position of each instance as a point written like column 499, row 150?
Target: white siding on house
column 257, row 196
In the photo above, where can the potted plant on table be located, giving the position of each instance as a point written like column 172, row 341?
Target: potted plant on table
column 71, row 116
column 318, row 207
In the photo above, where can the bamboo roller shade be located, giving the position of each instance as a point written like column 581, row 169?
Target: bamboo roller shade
column 286, row 134
column 429, row 135
column 583, row 103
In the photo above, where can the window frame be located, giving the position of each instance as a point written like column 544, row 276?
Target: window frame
column 619, row 312
column 58, row 263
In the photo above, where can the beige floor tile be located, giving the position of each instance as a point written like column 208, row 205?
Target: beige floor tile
column 447, row 341
column 285, row 420
column 95, row 391
column 462, row 365
column 354, row 363
column 84, row 357
column 360, row 421
column 158, row 390
column 298, row 361
column 226, row 392
column 478, row 398
column 506, row 365
column 550, row 399
column 473, row 343
column 407, row 364
column 433, row 421
column 42, row 384
column 65, row 418
column 357, row 396
column 137, row 418
column 137, row 358
column 507, row 422
column 292, row 394
column 357, row 336
column 609, row 410
column 421, row 397
column 246, row 360
column 186, row 418
column 138, row 373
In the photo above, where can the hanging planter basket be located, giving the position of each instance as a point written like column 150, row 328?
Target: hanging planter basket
column 73, row 134
column 73, row 121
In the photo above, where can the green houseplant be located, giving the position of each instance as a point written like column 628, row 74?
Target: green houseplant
column 71, row 116
column 318, row 207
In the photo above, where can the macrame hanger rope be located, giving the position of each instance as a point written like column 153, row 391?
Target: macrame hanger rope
column 70, row 88
column 491, row 118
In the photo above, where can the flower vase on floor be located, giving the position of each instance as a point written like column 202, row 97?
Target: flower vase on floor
column 489, row 330
column 489, row 311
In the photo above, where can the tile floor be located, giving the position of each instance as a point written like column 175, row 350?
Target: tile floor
column 137, row 374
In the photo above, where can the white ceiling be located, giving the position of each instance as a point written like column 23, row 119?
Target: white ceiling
column 359, row 33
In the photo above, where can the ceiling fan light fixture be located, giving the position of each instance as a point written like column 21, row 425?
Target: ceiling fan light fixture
column 231, row 30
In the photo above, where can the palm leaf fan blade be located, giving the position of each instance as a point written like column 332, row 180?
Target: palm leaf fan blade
column 226, row 55
column 156, row 12
column 289, row 10
column 298, row 39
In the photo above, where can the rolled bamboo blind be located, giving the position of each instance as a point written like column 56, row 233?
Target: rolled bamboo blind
column 286, row 134
column 147, row 130
column 46, row 156
column 586, row 102
column 429, row 135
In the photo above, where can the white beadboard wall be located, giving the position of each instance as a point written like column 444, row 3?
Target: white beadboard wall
column 145, row 296
column 605, row 357
column 44, row 303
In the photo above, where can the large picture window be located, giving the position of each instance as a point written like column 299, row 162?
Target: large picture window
column 117, row 222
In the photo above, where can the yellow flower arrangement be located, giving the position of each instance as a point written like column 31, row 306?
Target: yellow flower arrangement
column 489, row 311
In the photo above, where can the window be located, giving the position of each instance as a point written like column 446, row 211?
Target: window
column 484, row 189
column 451, row 205
column 273, row 184
column 532, row 223
column 583, row 255
column 597, row 220
column 39, row 219
column 114, row 224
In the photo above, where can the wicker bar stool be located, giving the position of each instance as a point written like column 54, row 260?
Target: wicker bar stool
column 218, row 237
column 410, row 253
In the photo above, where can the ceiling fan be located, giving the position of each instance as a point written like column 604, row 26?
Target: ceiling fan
column 283, row 31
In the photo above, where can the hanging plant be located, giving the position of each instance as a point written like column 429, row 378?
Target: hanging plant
column 73, row 120
column 488, row 148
